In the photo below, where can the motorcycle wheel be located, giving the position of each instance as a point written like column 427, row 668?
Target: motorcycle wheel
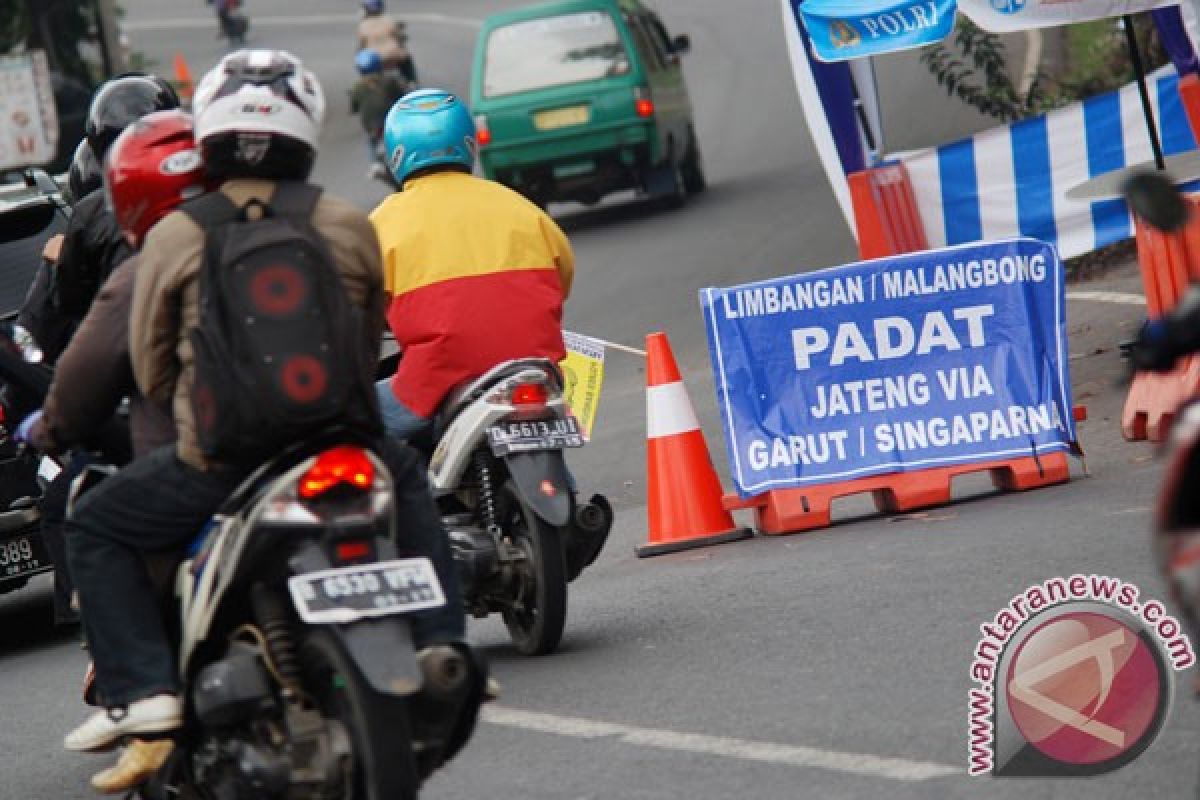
column 538, row 614
column 383, row 766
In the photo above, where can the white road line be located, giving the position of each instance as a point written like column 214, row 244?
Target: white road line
column 897, row 769
column 187, row 23
column 1120, row 298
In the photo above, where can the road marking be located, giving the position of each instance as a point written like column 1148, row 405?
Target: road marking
column 897, row 769
column 1120, row 298
column 185, row 23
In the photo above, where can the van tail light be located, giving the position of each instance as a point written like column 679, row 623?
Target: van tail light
column 339, row 466
column 642, row 104
column 483, row 134
column 529, row 394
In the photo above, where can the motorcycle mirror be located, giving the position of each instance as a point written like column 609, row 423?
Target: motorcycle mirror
column 1153, row 198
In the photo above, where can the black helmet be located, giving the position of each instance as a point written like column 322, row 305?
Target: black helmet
column 84, row 176
column 120, row 102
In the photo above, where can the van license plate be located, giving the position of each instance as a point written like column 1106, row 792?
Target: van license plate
column 347, row 594
column 562, row 118
column 543, row 434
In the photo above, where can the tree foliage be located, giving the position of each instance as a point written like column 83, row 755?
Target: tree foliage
column 976, row 70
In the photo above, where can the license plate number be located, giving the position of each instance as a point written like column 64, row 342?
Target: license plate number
column 545, row 434
column 347, row 594
column 561, row 118
column 21, row 555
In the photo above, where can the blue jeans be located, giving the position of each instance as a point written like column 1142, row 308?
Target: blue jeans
column 400, row 421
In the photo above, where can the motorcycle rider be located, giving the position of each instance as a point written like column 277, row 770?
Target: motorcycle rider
column 159, row 501
column 386, row 36
column 74, row 267
column 151, row 168
column 477, row 274
column 372, row 97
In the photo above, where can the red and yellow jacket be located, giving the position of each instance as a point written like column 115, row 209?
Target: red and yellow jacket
column 477, row 276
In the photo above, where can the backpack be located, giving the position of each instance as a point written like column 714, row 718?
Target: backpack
column 278, row 347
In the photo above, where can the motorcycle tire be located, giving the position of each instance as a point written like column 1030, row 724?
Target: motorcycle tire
column 538, row 614
column 384, row 766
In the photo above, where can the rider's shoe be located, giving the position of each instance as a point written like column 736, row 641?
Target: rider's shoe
column 157, row 714
column 137, row 763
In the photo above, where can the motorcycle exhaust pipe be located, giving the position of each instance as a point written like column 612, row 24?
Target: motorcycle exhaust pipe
column 445, row 669
column 591, row 518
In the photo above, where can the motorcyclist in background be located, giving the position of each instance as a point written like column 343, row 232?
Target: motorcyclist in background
column 378, row 31
column 161, row 500
column 372, row 97
column 477, row 274
column 73, row 268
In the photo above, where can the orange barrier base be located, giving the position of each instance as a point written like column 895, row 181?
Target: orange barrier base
column 1154, row 398
column 808, row 508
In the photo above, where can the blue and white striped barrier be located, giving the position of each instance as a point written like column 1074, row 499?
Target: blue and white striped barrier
column 1012, row 181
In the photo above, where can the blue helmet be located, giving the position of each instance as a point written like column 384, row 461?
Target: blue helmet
column 428, row 128
column 373, row 6
column 368, row 61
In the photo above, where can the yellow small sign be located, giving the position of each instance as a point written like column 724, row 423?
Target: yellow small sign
column 583, row 372
column 562, row 118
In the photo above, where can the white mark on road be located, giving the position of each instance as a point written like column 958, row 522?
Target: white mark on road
column 897, row 769
column 185, row 23
column 1120, row 298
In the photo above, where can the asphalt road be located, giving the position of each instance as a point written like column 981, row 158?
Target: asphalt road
column 828, row 665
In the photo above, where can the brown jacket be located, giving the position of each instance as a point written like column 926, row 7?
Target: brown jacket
column 385, row 36
column 94, row 374
column 166, row 298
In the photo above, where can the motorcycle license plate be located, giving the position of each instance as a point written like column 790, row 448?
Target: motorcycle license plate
column 22, row 555
column 542, row 434
column 347, row 594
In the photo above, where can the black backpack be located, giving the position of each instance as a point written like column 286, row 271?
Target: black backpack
column 278, row 348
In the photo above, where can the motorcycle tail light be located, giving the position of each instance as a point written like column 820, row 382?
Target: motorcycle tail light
column 351, row 550
column 529, row 394
column 339, row 466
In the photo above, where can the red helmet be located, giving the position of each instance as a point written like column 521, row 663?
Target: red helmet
column 152, row 167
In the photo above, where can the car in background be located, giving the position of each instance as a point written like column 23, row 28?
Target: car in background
column 576, row 99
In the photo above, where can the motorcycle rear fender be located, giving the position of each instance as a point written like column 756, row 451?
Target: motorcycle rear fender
column 541, row 481
column 381, row 648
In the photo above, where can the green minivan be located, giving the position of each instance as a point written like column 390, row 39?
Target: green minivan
column 579, row 98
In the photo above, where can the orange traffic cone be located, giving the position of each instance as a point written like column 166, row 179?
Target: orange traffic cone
column 183, row 78
column 684, row 503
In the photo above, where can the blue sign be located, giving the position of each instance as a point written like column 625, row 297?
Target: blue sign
column 846, row 29
column 931, row 359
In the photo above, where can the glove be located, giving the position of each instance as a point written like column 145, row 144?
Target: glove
column 1154, row 349
column 26, row 427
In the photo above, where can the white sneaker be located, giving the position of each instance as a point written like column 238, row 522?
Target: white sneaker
column 157, row 714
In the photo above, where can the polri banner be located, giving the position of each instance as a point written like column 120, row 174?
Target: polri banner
column 924, row 360
column 846, row 29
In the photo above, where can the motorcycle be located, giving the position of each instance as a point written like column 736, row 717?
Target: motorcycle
column 1155, row 200
column 500, row 479
column 294, row 648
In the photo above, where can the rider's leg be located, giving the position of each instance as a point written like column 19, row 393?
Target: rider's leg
column 399, row 420
column 156, row 503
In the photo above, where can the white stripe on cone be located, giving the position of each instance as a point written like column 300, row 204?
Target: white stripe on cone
column 669, row 411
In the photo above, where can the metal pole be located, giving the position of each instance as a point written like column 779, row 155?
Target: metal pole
column 110, row 39
column 1135, row 55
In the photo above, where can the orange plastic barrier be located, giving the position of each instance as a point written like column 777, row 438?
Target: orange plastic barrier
column 1169, row 263
column 796, row 510
column 683, row 491
column 1189, row 92
column 885, row 212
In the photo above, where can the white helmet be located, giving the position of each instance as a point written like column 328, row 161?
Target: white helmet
column 265, row 94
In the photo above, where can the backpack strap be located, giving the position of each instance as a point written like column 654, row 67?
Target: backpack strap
column 210, row 210
column 295, row 199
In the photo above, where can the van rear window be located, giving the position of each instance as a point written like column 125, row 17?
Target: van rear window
column 553, row 51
